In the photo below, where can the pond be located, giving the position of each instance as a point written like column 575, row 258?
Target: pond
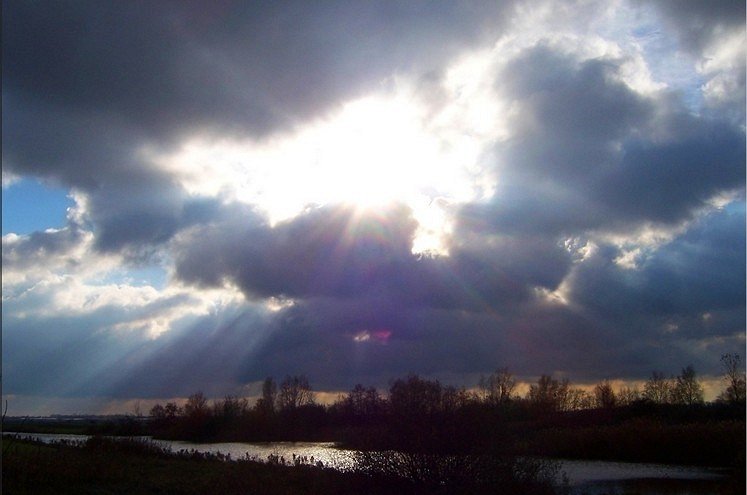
column 584, row 477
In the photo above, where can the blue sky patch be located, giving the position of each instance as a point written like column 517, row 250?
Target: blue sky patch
column 29, row 206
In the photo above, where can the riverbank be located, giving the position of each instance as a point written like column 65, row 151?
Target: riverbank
column 134, row 466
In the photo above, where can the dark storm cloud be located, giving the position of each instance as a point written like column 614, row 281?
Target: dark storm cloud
column 341, row 252
column 588, row 152
column 700, row 271
column 665, row 181
column 323, row 339
column 137, row 218
column 503, row 269
column 326, row 251
column 340, row 343
column 64, row 145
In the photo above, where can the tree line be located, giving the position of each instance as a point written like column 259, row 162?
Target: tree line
column 288, row 411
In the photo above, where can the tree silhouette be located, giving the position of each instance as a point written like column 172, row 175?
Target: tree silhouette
column 294, row 392
column 628, row 395
column 266, row 404
column 686, row 388
column 414, row 397
column 498, row 387
column 549, row 394
column 196, row 405
column 197, row 422
column 604, row 396
column 658, row 389
column 231, row 408
column 172, row 410
column 735, row 379
column 363, row 402
column 577, row 399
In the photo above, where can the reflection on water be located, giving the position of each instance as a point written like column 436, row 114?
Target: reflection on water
column 584, row 477
column 285, row 452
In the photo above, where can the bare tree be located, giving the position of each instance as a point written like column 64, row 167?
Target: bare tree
column 577, row 399
column 452, row 398
column 363, row 401
column 686, row 389
column 172, row 410
column 550, row 394
column 266, row 403
column 157, row 412
column 231, row 407
column 294, row 393
column 735, row 379
column 628, row 395
column 498, row 387
column 604, row 396
column 196, row 405
column 658, row 388
column 164, row 416
column 415, row 397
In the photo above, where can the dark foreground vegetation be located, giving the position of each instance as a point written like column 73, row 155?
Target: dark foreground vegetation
column 135, row 466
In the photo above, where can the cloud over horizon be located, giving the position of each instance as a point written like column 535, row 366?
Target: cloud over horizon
column 360, row 190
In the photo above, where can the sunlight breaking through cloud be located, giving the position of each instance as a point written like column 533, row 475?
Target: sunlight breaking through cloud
column 369, row 153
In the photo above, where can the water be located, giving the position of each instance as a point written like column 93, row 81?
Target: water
column 584, row 477
column 591, row 471
column 612, row 478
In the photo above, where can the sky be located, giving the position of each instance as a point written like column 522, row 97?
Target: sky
column 199, row 195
